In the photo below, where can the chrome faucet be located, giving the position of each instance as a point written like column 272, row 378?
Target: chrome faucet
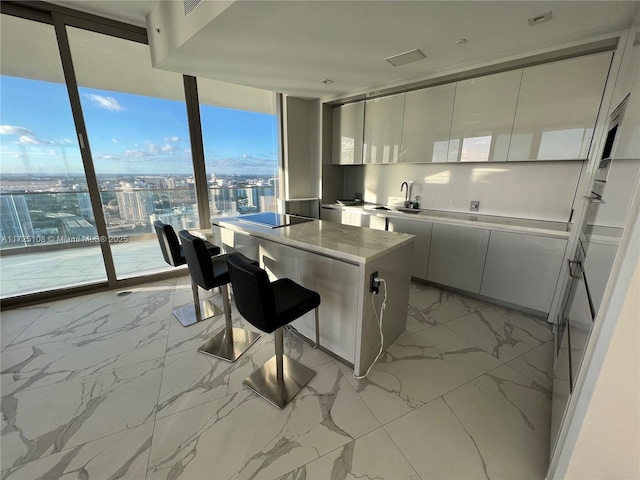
column 407, row 195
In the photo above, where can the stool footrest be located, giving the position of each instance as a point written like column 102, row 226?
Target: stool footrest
column 265, row 383
column 229, row 347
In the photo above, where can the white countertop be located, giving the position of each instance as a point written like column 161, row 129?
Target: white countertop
column 344, row 242
column 493, row 222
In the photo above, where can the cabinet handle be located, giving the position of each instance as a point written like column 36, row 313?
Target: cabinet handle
column 594, row 199
column 576, row 275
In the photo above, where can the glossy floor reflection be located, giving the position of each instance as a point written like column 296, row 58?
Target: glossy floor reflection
column 102, row 386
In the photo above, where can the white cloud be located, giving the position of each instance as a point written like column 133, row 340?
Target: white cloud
column 135, row 154
column 169, row 148
column 31, row 140
column 108, row 103
column 11, row 130
column 114, row 140
column 174, row 139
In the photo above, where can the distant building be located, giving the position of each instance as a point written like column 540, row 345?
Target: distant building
column 135, row 205
column 84, row 202
column 222, row 200
column 179, row 219
column 15, row 220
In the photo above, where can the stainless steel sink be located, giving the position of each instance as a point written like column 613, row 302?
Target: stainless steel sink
column 409, row 210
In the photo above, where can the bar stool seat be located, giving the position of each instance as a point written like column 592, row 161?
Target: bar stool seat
column 211, row 272
column 269, row 307
column 173, row 254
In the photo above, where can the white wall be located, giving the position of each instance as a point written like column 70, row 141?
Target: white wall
column 533, row 190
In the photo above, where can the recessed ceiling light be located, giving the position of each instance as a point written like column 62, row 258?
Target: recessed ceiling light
column 540, row 18
column 461, row 41
column 326, row 81
column 406, row 57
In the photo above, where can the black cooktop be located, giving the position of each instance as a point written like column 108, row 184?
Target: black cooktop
column 272, row 219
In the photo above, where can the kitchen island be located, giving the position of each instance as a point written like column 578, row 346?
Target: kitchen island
column 337, row 261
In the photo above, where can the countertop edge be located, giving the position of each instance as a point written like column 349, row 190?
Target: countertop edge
column 425, row 217
column 264, row 234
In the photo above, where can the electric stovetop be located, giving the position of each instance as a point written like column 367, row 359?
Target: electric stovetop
column 272, row 219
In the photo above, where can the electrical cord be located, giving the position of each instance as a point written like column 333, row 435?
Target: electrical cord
column 379, row 320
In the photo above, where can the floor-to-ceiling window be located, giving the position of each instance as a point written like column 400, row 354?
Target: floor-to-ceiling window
column 96, row 145
column 139, row 135
column 240, row 150
column 47, row 227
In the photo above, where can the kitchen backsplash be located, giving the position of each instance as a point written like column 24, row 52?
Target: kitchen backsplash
column 532, row 190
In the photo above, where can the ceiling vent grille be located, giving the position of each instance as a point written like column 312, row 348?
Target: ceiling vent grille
column 189, row 5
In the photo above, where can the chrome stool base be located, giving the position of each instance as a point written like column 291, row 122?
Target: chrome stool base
column 265, row 383
column 187, row 315
column 229, row 347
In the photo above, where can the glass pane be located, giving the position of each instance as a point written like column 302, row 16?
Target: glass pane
column 47, row 227
column 241, row 152
column 137, row 126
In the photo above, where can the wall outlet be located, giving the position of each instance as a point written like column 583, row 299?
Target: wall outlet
column 374, row 286
column 475, row 205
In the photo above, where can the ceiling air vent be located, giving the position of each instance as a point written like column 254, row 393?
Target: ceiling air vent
column 189, row 5
column 406, row 57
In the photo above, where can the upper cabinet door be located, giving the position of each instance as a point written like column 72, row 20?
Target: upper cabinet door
column 483, row 116
column 347, row 126
column 427, row 124
column 383, row 129
column 557, row 108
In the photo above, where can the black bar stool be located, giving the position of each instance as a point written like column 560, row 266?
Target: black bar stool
column 207, row 272
column 269, row 307
column 173, row 254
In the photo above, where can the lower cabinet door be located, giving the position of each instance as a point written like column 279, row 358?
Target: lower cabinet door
column 523, row 269
column 420, row 254
column 457, row 256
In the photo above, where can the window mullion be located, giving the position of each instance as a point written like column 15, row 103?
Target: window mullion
column 85, row 150
column 197, row 150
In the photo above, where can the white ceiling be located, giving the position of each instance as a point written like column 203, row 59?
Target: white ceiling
column 290, row 46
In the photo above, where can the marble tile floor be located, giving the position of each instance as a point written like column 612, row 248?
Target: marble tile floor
column 101, row 386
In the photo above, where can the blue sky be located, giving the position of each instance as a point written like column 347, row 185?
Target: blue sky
column 128, row 134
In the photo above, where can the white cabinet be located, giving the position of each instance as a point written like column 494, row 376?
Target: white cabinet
column 347, row 128
column 427, row 124
column 377, row 222
column 356, row 218
column 557, row 108
column 383, row 129
column 421, row 244
column 457, row 256
column 483, row 116
column 523, row 269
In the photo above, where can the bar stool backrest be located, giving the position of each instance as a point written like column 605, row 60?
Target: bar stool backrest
column 169, row 244
column 199, row 260
column 253, row 294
